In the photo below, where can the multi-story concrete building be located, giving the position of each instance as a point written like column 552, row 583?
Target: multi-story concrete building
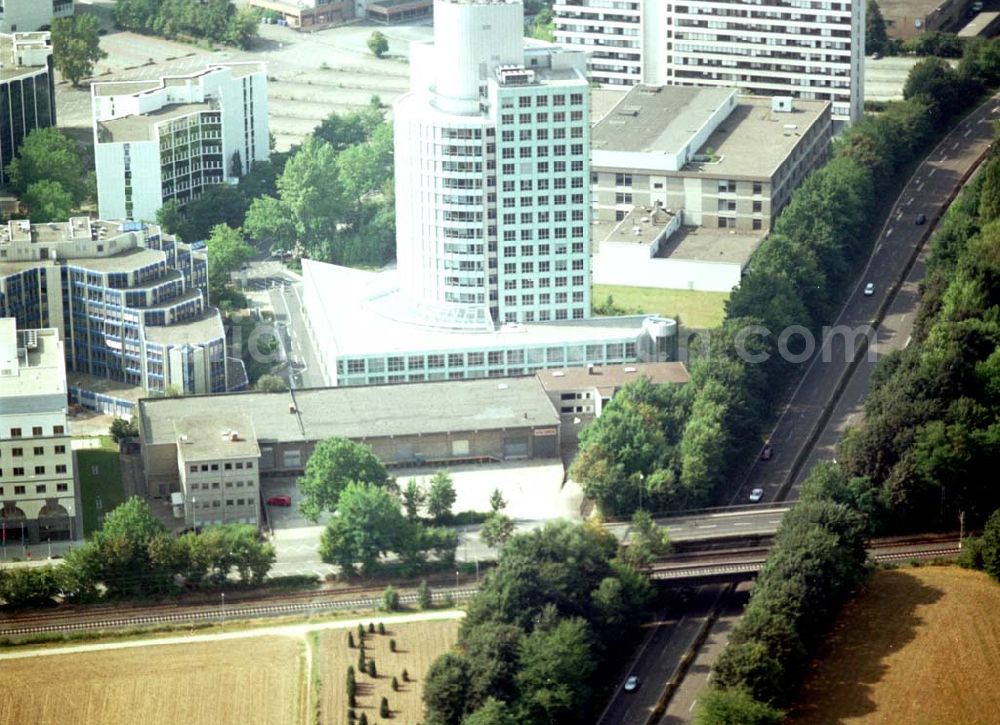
column 169, row 139
column 28, row 15
column 721, row 160
column 218, row 469
column 27, row 91
column 492, row 221
column 808, row 49
column 36, row 459
column 130, row 303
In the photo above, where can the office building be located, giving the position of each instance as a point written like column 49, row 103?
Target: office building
column 27, row 91
column 405, row 425
column 36, row 459
column 170, row 139
column 720, row 159
column 28, row 15
column 306, row 14
column 493, row 222
column 807, row 49
column 129, row 301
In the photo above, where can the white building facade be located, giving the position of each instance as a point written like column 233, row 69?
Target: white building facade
column 808, row 49
column 36, row 459
column 29, row 15
column 170, row 139
column 492, row 169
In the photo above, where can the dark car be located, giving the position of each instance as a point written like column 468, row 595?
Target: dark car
column 921, row 219
column 279, row 501
column 765, row 455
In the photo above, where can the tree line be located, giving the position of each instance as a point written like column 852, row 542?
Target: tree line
column 134, row 556
column 216, row 20
column 540, row 634
column 677, row 448
column 919, row 461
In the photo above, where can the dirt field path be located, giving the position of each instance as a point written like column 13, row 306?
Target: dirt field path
column 285, row 630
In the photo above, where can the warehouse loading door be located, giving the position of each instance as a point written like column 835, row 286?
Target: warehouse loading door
column 514, row 448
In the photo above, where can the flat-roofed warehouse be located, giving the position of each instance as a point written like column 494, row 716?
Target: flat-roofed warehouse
column 436, row 423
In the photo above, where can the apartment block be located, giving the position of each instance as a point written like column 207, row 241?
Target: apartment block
column 27, row 90
column 29, row 15
column 170, row 139
column 807, row 49
column 36, row 459
column 130, row 303
column 719, row 159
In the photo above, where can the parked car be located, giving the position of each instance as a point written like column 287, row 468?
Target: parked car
column 921, row 219
column 279, row 501
column 765, row 455
column 756, row 495
column 869, row 289
column 632, row 683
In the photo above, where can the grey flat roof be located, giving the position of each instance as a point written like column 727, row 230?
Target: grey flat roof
column 711, row 245
column 140, row 128
column 753, row 142
column 649, row 222
column 197, row 331
column 211, row 436
column 607, row 378
column 377, row 411
column 127, row 261
column 657, row 118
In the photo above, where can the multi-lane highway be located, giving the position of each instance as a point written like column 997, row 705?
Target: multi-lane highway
column 804, row 415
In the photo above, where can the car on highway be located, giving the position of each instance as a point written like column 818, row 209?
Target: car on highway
column 756, row 495
column 279, row 501
column 869, row 289
column 765, row 455
column 921, row 219
column 632, row 683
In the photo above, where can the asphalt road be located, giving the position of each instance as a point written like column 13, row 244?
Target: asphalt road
column 658, row 658
column 928, row 192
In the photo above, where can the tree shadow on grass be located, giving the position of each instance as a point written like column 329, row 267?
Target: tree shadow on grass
column 876, row 624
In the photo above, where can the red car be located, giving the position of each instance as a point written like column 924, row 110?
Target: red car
column 279, row 501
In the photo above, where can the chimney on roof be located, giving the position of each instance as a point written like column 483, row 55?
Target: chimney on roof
column 234, row 436
column 291, row 408
column 590, row 369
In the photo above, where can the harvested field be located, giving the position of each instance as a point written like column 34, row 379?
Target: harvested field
column 418, row 644
column 245, row 681
column 919, row 646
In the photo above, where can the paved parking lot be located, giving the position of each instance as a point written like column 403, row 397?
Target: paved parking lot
column 310, row 74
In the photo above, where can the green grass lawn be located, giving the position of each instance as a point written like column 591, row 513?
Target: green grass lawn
column 698, row 310
column 100, row 481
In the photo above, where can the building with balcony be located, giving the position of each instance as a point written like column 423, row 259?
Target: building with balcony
column 493, row 217
column 28, row 15
column 170, row 139
column 27, row 91
column 807, row 49
column 37, row 490
column 129, row 301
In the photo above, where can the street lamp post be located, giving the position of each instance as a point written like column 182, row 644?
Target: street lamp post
column 194, row 514
column 456, row 580
column 961, row 528
column 223, row 606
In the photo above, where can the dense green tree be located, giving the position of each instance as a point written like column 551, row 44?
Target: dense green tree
column 413, row 499
column 492, row 712
column 76, row 46
column 425, row 599
column 876, row 39
column 48, row 155
column 48, row 201
column 555, row 670
column 378, row 44
column 367, row 525
column 990, row 546
column 341, row 131
column 491, row 653
column 734, row 707
column 646, row 541
column 334, row 464
column 22, row 587
column 935, row 83
column 227, row 252
column 440, row 496
column 270, row 384
column 445, row 690
column 122, row 429
column 496, row 530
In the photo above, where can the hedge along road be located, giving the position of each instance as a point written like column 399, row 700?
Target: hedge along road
column 929, row 191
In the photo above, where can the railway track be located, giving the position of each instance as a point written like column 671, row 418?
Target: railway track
column 209, row 613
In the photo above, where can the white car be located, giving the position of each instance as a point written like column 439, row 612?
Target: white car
column 632, row 683
column 869, row 289
column 756, row 495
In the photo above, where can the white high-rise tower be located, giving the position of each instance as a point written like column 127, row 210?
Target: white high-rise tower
column 492, row 171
